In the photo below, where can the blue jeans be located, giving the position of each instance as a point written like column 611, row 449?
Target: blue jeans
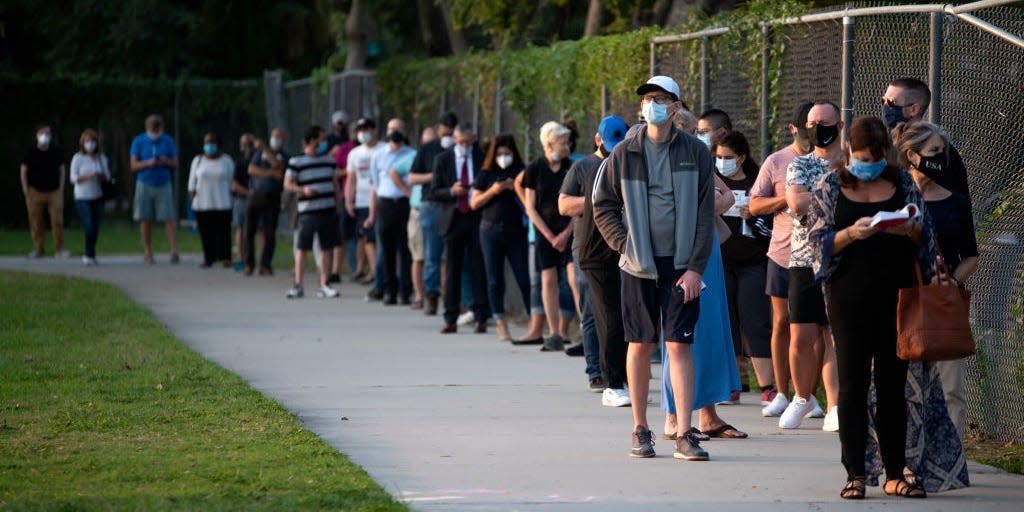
column 498, row 243
column 433, row 246
column 91, row 211
column 591, row 345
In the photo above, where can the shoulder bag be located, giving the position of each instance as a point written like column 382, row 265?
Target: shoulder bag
column 933, row 320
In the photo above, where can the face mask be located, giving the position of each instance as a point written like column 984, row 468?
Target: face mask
column 155, row 134
column 655, row 113
column 90, row 146
column 864, row 171
column 932, row 166
column 396, row 137
column 43, row 139
column 892, row 115
column 275, row 143
column 555, row 157
column 447, row 141
column 210, row 149
column 725, row 167
column 705, row 138
column 823, row 136
column 321, row 148
column 503, row 161
column 364, row 137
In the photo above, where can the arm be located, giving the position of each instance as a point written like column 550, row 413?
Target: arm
column 798, row 198
column 24, row 179
column 724, row 198
column 399, row 182
column 608, row 205
column 570, row 206
column 193, row 179
column 482, row 197
column 291, row 186
column 373, row 207
column 767, row 205
column 965, row 269
column 531, row 212
column 140, row 165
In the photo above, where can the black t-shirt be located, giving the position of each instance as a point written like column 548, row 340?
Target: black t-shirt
column 241, row 173
column 43, row 168
column 740, row 249
column 504, row 208
column 954, row 228
column 588, row 246
column 424, row 164
column 547, row 184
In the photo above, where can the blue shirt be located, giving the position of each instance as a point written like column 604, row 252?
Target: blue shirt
column 402, row 166
column 145, row 148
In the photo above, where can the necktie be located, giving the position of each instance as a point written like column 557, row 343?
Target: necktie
column 464, row 180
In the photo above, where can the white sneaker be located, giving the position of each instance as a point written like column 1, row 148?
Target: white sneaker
column 615, row 398
column 35, row 255
column 466, row 318
column 832, row 420
column 816, row 412
column 778, row 405
column 795, row 413
column 88, row 261
column 326, row 292
column 62, row 254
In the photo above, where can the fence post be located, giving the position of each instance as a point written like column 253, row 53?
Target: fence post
column 272, row 95
column 604, row 101
column 705, row 77
column 766, row 41
column 654, row 59
column 935, row 67
column 476, row 109
column 177, row 140
column 847, row 90
column 497, row 106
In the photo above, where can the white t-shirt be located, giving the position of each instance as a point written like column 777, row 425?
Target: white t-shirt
column 359, row 166
column 210, row 179
column 84, row 164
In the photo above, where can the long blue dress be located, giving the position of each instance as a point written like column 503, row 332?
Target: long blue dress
column 714, row 358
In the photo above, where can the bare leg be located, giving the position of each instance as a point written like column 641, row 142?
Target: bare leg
column 146, row 232
column 238, row 245
column 417, row 280
column 681, row 369
column 325, row 265
column 361, row 256
column 172, row 236
column 549, row 296
column 371, row 260
column 829, row 370
column 336, row 259
column 803, row 361
column 536, row 329
column 300, row 261
column 762, row 370
column 638, row 373
column 780, row 343
column 570, row 274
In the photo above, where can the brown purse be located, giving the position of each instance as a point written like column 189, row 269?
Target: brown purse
column 933, row 320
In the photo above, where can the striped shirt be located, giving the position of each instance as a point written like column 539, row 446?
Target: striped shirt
column 316, row 172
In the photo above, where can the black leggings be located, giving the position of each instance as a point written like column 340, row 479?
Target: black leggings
column 215, row 234
column 864, row 329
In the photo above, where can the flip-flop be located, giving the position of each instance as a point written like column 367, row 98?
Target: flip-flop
column 726, row 431
column 701, row 436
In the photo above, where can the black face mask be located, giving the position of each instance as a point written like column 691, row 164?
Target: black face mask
column 933, row 166
column 396, row 137
column 823, row 136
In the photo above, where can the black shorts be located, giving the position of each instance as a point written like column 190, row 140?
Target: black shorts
column 645, row 302
column 322, row 225
column 777, row 283
column 547, row 256
column 806, row 300
column 366, row 233
column 348, row 225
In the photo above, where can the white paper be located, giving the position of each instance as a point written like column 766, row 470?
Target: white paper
column 742, row 199
column 890, row 219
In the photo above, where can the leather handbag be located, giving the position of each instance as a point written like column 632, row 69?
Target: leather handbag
column 933, row 320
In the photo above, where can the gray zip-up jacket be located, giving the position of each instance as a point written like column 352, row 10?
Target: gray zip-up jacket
column 621, row 209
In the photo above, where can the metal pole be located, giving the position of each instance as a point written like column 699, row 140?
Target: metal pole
column 935, row 68
column 604, row 101
column 497, row 106
column 654, row 58
column 847, row 90
column 177, row 140
column 476, row 109
column 766, row 41
column 705, row 76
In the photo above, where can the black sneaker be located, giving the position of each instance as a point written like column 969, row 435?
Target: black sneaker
column 688, row 448
column 334, row 279
column 597, row 384
column 554, row 343
column 643, row 443
column 374, row 296
column 575, row 350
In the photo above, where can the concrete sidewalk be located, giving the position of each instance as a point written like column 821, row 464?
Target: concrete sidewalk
column 464, row 422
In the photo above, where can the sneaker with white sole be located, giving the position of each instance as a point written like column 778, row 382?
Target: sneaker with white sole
column 643, row 443
column 794, row 414
column 296, row 292
column 466, row 318
column 816, row 412
column 615, row 398
column 688, row 448
column 831, row 420
column 87, row 261
column 326, row 292
column 776, row 407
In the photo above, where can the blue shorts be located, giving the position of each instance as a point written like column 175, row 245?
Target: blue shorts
column 154, row 203
column 238, row 211
column 646, row 302
column 777, row 283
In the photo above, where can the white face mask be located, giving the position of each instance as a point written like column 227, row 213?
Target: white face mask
column 705, row 138
column 725, row 167
column 364, row 137
column 43, row 139
column 90, row 146
column 154, row 135
column 447, row 141
column 503, row 161
column 555, row 156
column 275, row 143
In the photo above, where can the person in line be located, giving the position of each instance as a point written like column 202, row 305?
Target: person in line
column 661, row 222
column 502, row 234
column 454, row 172
column 598, row 263
column 433, row 243
column 863, row 269
column 744, row 256
column 810, row 352
column 357, row 195
column 42, row 183
column 240, row 195
column 392, row 213
column 263, row 207
column 89, row 169
column 414, row 231
column 347, row 249
column 542, row 181
column 768, row 197
column 209, row 188
column 153, row 158
column 339, row 132
column 311, row 177
column 712, row 125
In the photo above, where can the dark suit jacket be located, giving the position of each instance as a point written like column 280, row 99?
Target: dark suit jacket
column 445, row 175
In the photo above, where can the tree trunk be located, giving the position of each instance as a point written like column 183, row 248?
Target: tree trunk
column 359, row 27
column 661, row 10
column 593, row 25
column 433, row 28
column 455, row 36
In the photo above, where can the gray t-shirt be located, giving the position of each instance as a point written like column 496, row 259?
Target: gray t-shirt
column 661, row 207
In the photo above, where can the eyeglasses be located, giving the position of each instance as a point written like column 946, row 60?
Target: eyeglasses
column 891, row 103
column 661, row 99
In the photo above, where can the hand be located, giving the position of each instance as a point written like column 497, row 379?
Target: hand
column 905, row 229
column 88, row 176
column 308, row 191
column 508, row 184
column 861, row 229
column 351, row 209
column 497, row 187
column 458, row 190
column 745, row 212
column 368, row 223
column 690, row 282
column 560, row 243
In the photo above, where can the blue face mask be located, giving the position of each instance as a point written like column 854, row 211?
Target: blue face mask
column 321, row 148
column 864, row 171
column 655, row 113
column 210, row 149
column 892, row 115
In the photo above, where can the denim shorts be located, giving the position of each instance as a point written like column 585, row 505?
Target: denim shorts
column 238, row 211
column 154, row 203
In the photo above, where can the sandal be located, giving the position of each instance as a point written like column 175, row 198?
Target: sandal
column 855, row 489
column 726, row 431
column 697, row 434
column 905, row 489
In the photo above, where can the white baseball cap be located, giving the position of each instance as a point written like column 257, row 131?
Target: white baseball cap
column 339, row 116
column 659, row 83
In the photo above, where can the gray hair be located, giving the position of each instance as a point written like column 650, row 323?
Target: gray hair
column 913, row 136
column 551, row 131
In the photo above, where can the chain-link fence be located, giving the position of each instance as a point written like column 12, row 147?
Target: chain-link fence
column 977, row 79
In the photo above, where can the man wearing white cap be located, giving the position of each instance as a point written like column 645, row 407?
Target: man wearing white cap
column 339, row 135
column 654, row 204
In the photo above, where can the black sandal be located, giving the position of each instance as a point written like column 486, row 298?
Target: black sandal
column 905, row 489
column 855, row 489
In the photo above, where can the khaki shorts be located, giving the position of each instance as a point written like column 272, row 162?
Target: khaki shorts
column 415, row 233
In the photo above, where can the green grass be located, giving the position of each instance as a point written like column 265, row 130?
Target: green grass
column 103, row 409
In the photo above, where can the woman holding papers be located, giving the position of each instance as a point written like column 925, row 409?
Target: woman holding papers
column 863, row 269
